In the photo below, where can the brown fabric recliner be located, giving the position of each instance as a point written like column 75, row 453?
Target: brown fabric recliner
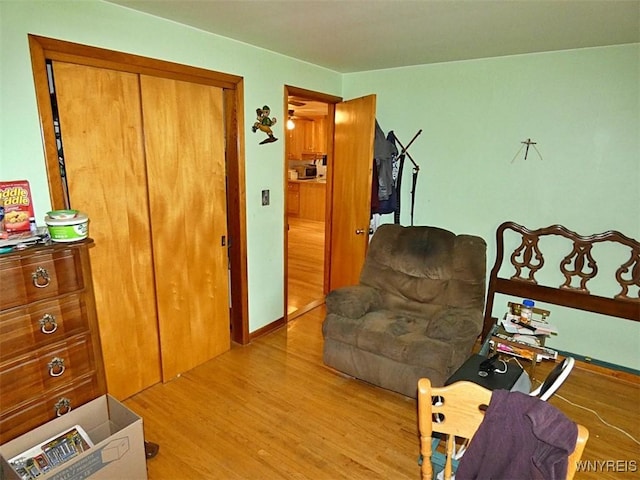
column 416, row 312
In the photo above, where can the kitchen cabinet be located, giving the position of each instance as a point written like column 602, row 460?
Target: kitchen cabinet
column 50, row 355
column 151, row 175
column 306, row 199
column 320, row 135
column 295, row 140
column 307, row 138
column 293, row 198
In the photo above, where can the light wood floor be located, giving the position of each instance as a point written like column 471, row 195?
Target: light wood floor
column 272, row 410
column 305, row 265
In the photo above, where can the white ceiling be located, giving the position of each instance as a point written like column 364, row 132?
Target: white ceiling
column 359, row 35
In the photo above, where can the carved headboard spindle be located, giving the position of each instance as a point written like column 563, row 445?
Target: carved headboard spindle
column 630, row 269
column 580, row 257
column 531, row 256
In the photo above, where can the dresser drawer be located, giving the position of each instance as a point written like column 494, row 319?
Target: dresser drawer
column 45, row 274
column 46, row 407
column 46, row 369
column 26, row 329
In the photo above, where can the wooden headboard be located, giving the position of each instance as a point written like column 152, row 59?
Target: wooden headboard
column 578, row 265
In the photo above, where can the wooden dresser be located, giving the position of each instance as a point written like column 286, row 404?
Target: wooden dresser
column 50, row 355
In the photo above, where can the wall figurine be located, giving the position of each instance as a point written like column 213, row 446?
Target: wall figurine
column 264, row 124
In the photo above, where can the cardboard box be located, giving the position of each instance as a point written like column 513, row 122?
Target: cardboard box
column 115, row 431
column 18, row 205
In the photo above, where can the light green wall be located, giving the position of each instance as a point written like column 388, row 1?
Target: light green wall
column 582, row 107
column 109, row 26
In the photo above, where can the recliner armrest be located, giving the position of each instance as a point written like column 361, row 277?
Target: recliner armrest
column 353, row 301
column 453, row 323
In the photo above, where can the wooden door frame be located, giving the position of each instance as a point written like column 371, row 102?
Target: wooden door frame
column 43, row 49
column 331, row 101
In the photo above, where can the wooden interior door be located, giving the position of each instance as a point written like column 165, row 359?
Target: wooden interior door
column 351, row 193
column 184, row 145
column 101, row 127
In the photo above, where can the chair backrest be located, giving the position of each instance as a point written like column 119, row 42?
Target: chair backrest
column 576, row 455
column 457, row 410
column 556, row 377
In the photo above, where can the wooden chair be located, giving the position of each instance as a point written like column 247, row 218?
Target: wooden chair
column 574, row 458
column 457, row 411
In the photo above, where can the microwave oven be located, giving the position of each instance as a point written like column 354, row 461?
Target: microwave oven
column 306, row 171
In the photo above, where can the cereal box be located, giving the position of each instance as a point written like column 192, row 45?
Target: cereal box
column 18, row 206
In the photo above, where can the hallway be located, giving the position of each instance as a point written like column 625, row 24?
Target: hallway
column 306, row 264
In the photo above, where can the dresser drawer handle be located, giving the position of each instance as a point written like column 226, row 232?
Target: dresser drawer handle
column 62, row 406
column 48, row 324
column 41, row 278
column 56, row 366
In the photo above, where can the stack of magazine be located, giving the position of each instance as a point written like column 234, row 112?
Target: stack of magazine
column 526, row 339
column 22, row 240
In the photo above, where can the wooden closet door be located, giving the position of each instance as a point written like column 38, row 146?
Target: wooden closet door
column 184, row 145
column 101, row 128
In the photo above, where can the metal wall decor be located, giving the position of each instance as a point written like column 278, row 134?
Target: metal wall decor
column 528, row 143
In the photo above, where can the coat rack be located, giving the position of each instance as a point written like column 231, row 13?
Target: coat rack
column 416, row 169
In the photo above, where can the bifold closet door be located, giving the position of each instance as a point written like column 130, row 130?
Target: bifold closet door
column 185, row 158
column 101, row 128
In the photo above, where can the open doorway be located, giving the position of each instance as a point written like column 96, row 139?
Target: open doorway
column 348, row 131
column 306, row 151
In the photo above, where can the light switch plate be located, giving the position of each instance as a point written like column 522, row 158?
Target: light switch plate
column 265, row 197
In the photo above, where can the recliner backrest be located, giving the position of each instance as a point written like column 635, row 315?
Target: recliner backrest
column 422, row 268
